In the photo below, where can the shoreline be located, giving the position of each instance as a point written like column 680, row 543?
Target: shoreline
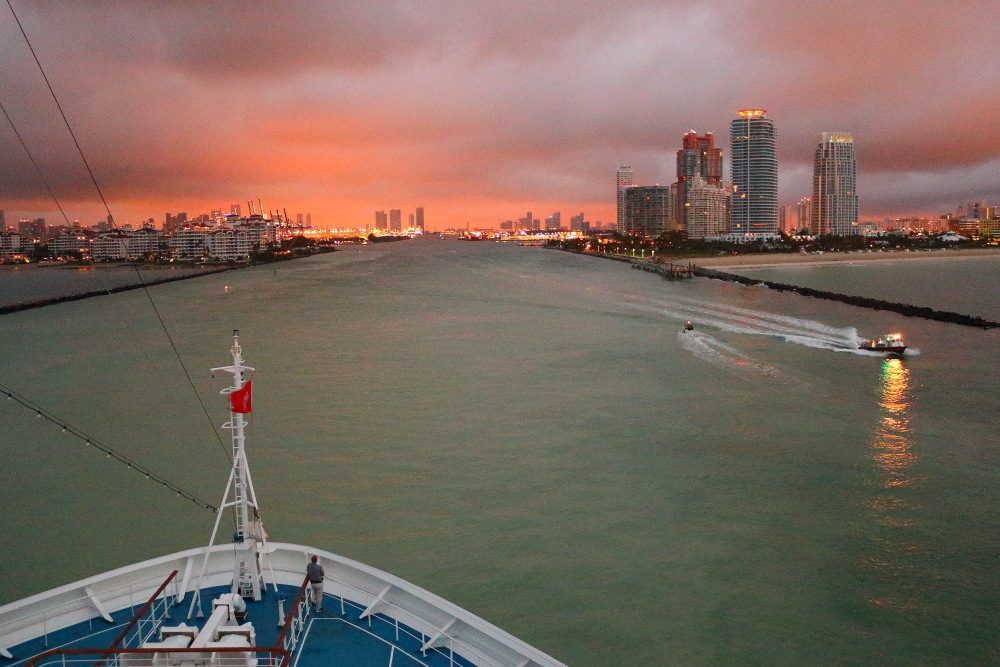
column 781, row 260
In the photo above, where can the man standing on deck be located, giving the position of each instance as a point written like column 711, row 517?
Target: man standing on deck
column 315, row 573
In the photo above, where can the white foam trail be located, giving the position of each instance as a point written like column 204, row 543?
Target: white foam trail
column 714, row 351
column 734, row 319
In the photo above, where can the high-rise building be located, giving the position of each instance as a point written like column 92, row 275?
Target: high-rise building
column 706, row 211
column 835, row 199
column 976, row 210
column 412, row 219
column 381, row 220
column 804, row 218
column 309, row 219
column 623, row 181
column 699, row 158
column 650, row 210
column 420, row 218
column 395, row 220
column 755, row 174
column 234, row 209
column 554, row 221
column 3, row 221
column 578, row 224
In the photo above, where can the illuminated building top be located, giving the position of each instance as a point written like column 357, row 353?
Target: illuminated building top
column 751, row 113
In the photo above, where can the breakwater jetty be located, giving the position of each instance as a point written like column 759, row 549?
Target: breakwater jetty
column 51, row 301
column 860, row 301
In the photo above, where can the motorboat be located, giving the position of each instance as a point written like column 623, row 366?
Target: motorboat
column 890, row 344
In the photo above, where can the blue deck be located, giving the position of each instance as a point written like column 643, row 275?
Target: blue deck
column 335, row 637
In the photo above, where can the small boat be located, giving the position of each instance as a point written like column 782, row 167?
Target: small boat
column 892, row 344
column 688, row 326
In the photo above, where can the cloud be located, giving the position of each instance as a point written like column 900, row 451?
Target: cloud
column 342, row 108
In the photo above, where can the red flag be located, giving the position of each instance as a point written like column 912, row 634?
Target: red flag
column 240, row 401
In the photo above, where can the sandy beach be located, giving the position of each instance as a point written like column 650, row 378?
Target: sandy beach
column 782, row 259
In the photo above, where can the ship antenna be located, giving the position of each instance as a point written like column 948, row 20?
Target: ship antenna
column 247, row 575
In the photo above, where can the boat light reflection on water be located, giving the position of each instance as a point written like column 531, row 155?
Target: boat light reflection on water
column 893, row 445
column 895, row 546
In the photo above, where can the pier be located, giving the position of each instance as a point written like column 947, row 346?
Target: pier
column 664, row 268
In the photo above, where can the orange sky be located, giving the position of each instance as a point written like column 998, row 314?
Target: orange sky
column 482, row 111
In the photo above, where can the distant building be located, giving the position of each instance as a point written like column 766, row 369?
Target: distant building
column 412, row 221
column 172, row 222
column 420, row 218
column 395, row 220
column 755, row 174
column 3, row 221
column 803, row 218
column 650, row 210
column 977, row 210
column 578, row 224
column 554, row 221
column 381, row 220
column 623, row 180
column 835, row 198
column 32, row 230
column 706, row 211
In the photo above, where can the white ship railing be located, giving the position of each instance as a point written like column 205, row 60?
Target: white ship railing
column 442, row 625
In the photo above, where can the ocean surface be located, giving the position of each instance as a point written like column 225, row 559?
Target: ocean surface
column 528, row 434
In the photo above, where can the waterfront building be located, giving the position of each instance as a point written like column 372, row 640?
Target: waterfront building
column 72, row 241
column 623, row 181
column 650, row 210
column 395, row 220
column 697, row 159
column 420, row 218
column 835, row 198
column 10, row 245
column 190, row 242
column 228, row 244
column 381, row 220
column 706, row 211
column 554, row 221
column 755, row 174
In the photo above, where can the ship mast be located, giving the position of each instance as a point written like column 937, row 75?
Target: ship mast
column 247, row 574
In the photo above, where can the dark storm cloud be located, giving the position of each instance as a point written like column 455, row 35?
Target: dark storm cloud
column 469, row 105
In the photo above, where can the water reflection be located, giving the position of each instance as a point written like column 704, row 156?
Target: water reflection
column 894, row 552
column 893, row 446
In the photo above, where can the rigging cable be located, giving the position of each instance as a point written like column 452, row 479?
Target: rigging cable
column 42, row 413
column 104, row 201
column 41, row 176
column 35, row 164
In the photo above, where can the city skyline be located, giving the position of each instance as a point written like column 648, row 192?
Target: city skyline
column 192, row 121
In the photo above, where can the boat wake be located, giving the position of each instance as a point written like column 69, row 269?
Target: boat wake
column 733, row 319
column 714, row 351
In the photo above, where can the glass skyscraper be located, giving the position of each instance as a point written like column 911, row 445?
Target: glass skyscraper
column 623, row 181
column 835, row 174
column 755, row 174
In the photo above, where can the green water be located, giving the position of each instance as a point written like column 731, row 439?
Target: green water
column 526, row 433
